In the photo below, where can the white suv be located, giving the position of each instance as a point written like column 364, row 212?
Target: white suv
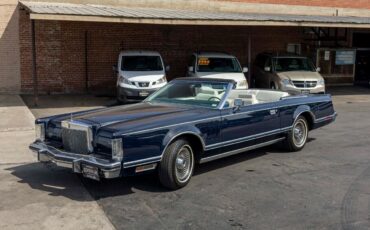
column 217, row 65
column 139, row 73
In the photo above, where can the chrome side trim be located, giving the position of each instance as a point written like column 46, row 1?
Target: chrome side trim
column 247, row 138
column 215, row 118
column 233, row 152
column 329, row 117
column 168, row 126
column 142, row 162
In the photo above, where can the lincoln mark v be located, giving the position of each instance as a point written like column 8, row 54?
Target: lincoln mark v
column 186, row 122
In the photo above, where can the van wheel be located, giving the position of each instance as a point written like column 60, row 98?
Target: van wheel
column 177, row 165
column 121, row 99
column 297, row 137
column 272, row 85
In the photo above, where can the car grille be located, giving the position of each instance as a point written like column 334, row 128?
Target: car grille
column 305, row 84
column 76, row 137
column 144, row 84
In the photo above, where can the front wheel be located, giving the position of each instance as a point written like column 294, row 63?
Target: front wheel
column 297, row 138
column 121, row 98
column 177, row 165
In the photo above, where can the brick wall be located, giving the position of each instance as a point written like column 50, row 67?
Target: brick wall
column 61, row 44
column 324, row 3
column 9, row 47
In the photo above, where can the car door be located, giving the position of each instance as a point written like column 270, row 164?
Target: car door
column 247, row 126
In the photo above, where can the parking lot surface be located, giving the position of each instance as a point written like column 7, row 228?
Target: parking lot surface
column 325, row 186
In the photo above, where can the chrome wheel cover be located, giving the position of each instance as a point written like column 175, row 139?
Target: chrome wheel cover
column 184, row 163
column 300, row 133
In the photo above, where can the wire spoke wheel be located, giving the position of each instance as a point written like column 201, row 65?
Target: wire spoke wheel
column 300, row 133
column 184, row 164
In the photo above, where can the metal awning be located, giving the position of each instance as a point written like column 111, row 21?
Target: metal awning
column 105, row 13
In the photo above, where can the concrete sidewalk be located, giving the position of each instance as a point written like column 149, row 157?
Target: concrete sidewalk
column 33, row 197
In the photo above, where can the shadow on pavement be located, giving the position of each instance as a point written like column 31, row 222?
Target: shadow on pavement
column 348, row 90
column 62, row 182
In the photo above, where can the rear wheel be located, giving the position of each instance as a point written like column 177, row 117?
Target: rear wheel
column 297, row 138
column 177, row 165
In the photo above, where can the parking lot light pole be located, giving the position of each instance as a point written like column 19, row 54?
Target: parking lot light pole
column 34, row 71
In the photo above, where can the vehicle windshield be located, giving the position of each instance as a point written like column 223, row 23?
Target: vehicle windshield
column 202, row 94
column 283, row 64
column 218, row 65
column 141, row 63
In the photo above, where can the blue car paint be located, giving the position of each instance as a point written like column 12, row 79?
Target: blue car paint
column 147, row 129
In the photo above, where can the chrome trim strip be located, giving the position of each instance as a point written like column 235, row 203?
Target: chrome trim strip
column 168, row 126
column 247, row 138
column 233, row 152
column 329, row 117
column 142, row 161
column 215, row 118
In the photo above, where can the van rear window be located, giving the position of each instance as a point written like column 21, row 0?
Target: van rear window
column 141, row 63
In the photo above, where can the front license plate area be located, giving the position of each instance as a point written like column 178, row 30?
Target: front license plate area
column 305, row 91
column 90, row 172
column 143, row 94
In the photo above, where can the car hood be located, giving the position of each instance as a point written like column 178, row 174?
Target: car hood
column 300, row 75
column 233, row 76
column 143, row 75
column 136, row 117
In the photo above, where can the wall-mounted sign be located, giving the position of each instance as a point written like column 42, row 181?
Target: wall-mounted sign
column 327, row 55
column 345, row 57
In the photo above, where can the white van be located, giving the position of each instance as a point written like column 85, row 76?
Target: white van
column 139, row 73
column 217, row 65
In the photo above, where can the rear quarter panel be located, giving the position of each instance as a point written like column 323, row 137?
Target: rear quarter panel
column 318, row 106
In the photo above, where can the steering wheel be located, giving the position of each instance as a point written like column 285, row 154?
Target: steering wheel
column 212, row 98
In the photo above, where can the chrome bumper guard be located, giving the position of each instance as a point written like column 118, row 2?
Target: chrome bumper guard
column 76, row 162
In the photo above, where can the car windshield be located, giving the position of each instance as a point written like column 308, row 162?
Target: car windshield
column 219, row 65
column 202, row 94
column 283, row 64
column 141, row 63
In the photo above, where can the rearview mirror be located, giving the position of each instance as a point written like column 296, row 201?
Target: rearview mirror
column 191, row 69
column 237, row 104
column 318, row 69
column 167, row 68
column 245, row 70
column 267, row 68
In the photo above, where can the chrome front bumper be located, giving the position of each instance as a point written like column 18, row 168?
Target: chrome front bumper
column 76, row 162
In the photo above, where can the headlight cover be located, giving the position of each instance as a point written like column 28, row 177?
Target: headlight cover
column 117, row 149
column 124, row 81
column 160, row 81
column 321, row 82
column 243, row 83
column 40, row 131
column 286, row 82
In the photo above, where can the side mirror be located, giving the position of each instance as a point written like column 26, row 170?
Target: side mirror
column 237, row 104
column 318, row 69
column 167, row 68
column 245, row 69
column 267, row 68
column 191, row 68
column 115, row 69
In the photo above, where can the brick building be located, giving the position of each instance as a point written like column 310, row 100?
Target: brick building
column 76, row 43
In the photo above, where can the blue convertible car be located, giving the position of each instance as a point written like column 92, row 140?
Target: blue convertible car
column 190, row 120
